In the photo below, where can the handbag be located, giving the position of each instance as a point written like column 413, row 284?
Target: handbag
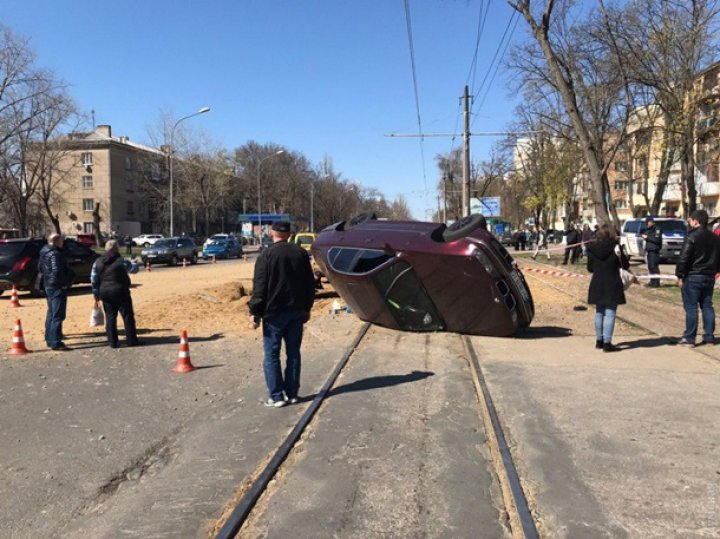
column 97, row 317
column 626, row 276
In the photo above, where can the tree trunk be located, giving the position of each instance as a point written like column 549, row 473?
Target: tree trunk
column 591, row 150
column 96, row 225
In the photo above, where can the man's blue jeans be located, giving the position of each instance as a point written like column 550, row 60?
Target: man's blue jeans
column 280, row 327
column 57, row 305
column 698, row 290
column 605, row 322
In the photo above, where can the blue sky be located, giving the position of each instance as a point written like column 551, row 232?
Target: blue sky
column 320, row 77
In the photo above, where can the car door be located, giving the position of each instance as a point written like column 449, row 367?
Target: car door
column 80, row 259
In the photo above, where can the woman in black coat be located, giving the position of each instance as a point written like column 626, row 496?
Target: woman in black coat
column 605, row 257
column 111, row 284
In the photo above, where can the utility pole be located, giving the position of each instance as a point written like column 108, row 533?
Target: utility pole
column 466, row 156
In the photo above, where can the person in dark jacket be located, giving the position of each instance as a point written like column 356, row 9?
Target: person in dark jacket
column 653, row 244
column 282, row 296
column 111, row 284
column 605, row 258
column 57, row 277
column 696, row 267
column 572, row 236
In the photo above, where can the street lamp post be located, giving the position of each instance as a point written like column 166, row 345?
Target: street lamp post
column 172, row 140
column 257, row 172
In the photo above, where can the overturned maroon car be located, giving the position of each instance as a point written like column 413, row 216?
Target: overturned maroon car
column 417, row 276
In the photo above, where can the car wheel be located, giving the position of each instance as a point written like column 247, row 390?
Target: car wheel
column 463, row 227
column 146, row 245
column 194, row 259
column 360, row 219
column 174, row 260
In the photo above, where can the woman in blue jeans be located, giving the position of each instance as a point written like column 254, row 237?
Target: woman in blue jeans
column 605, row 257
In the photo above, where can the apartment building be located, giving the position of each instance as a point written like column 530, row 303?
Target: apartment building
column 707, row 130
column 109, row 171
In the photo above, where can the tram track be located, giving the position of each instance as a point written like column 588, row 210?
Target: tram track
column 518, row 517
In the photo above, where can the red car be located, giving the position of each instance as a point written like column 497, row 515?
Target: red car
column 417, row 276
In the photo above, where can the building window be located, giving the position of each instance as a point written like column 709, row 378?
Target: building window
column 88, row 228
column 141, row 207
column 621, row 166
column 87, row 182
column 621, row 204
column 128, row 163
column 130, row 207
column 129, row 184
column 88, row 204
column 86, row 159
column 621, row 185
column 712, row 172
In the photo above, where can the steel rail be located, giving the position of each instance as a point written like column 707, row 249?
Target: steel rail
column 521, row 521
column 242, row 511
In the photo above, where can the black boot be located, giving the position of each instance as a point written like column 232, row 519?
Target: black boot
column 609, row 347
column 599, row 344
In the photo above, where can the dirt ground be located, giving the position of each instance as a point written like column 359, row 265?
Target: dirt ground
column 204, row 299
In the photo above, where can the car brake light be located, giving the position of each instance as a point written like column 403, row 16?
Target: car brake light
column 21, row 264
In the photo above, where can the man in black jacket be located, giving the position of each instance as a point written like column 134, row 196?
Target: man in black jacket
column 111, row 284
column 695, row 270
column 57, row 278
column 283, row 294
column 653, row 244
column 572, row 237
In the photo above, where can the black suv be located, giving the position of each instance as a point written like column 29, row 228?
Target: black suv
column 19, row 262
column 171, row 251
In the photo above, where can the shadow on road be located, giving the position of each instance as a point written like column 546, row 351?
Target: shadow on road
column 540, row 332
column 653, row 342
column 376, row 382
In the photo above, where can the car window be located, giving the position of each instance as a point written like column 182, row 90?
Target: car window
column 187, row 242
column 164, row 243
column 356, row 260
column 75, row 249
column 631, row 227
column 305, row 240
column 672, row 227
column 11, row 250
column 406, row 298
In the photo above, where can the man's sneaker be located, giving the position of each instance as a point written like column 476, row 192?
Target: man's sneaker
column 271, row 403
column 294, row 400
column 686, row 342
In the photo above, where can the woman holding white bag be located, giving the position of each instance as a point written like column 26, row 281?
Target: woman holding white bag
column 605, row 258
column 111, row 284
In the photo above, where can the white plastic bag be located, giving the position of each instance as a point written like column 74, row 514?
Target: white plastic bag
column 97, row 317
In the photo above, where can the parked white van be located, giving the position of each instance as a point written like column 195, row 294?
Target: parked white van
column 673, row 234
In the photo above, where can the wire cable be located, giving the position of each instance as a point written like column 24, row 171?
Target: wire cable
column 408, row 24
column 513, row 18
column 497, row 66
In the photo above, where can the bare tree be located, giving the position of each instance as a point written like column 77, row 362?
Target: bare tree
column 33, row 109
column 586, row 78
column 663, row 46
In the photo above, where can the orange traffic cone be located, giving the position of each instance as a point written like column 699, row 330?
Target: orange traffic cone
column 184, row 364
column 184, row 263
column 14, row 301
column 18, row 342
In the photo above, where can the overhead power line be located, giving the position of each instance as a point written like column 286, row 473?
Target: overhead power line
column 408, row 24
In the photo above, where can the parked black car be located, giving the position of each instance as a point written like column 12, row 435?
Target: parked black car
column 19, row 262
column 171, row 251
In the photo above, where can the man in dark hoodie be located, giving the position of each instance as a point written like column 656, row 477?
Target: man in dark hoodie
column 695, row 270
column 111, row 284
column 57, row 277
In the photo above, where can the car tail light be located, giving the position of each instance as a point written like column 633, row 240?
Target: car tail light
column 21, row 264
